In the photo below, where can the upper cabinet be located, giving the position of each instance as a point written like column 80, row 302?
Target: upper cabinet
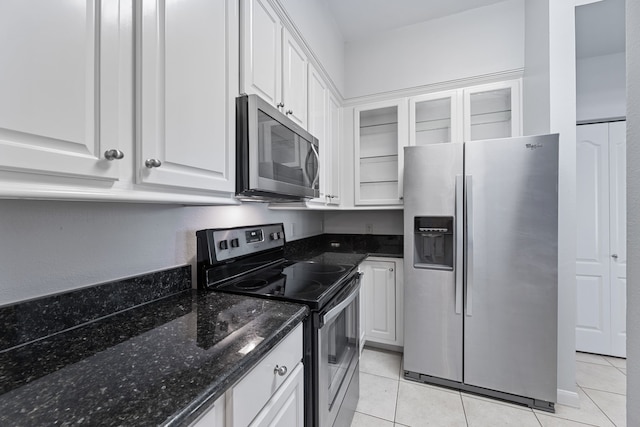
column 380, row 132
column 492, row 111
column 60, row 80
column 469, row 114
column 273, row 65
column 119, row 100
column 186, row 102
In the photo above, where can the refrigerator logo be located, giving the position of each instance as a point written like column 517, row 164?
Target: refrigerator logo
column 533, row 146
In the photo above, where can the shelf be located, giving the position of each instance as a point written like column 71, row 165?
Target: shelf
column 381, row 181
column 380, row 156
column 379, row 124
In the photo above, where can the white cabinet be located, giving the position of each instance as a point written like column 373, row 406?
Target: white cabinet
column 60, row 80
column 380, row 134
column 186, row 121
column 467, row 114
column 492, row 111
column 324, row 124
column 382, row 300
column 214, row 415
column 274, row 65
column 435, row 118
column 69, row 126
column 272, row 393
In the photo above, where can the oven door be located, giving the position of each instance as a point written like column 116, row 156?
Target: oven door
column 338, row 344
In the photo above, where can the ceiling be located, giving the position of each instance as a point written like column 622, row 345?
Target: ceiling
column 599, row 26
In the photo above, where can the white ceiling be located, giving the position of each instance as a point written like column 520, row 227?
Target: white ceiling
column 599, row 26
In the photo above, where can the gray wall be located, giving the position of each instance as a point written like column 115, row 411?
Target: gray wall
column 633, row 207
column 49, row 247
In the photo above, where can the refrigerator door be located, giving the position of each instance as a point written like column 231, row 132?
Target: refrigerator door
column 433, row 293
column 511, row 303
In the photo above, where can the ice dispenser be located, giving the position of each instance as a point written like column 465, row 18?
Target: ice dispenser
column 433, row 236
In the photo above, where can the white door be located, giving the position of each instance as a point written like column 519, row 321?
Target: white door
column 294, row 80
column 601, row 257
column 380, row 303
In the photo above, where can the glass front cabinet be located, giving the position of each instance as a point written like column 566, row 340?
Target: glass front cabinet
column 380, row 134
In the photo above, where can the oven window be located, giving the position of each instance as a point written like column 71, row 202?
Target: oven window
column 341, row 338
column 283, row 155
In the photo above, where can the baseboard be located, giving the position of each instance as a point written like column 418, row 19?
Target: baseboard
column 568, row 398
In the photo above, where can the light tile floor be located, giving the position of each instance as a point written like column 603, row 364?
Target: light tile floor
column 388, row 400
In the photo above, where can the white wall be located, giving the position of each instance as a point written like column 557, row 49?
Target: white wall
column 50, row 247
column 317, row 26
column 477, row 42
column 550, row 106
column 633, row 207
column 601, row 92
column 355, row 222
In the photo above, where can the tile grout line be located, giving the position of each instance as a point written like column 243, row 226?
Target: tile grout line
column 594, row 402
column 464, row 411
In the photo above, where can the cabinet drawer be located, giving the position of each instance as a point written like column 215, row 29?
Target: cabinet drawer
column 251, row 394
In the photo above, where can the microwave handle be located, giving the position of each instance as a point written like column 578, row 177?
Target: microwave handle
column 315, row 179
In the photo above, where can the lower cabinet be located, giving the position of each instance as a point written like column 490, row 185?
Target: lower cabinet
column 381, row 317
column 270, row 394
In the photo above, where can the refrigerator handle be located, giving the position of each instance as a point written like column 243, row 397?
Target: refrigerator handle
column 459, row 242
column 469, row 247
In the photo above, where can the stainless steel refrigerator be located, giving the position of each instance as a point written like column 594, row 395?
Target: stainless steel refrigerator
column 481, row 261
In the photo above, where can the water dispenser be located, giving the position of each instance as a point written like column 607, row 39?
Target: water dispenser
column 433, row 241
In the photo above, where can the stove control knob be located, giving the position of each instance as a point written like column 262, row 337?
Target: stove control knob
column 235, row 243
column 223, row 245
column 275, row 236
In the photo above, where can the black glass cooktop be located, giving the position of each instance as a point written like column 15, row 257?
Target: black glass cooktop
column 304, row 282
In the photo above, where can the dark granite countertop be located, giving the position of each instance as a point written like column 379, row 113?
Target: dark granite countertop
column 160, row 363
column 347, row 244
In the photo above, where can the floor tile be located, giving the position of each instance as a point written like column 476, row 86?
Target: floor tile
column 588, row 412
column 364, row 420
column 613, row 405
column 485, row 413
column 428, row 406
column 380, row 362
column 591, row 358
column 377, row 396
column 549, row 421
column 600, row 377
column 618, row 362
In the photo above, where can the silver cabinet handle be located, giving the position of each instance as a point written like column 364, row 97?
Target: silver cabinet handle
column 280, row 370
column 391, row 269
column 152, row 163
column 280, row 105
column 289, row 112
column 113, row 154
column 459, row 242
column 469, row 266
column 614, row 256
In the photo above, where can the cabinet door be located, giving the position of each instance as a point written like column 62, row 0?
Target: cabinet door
column 435, row 118
column 286, row 407
column 492, row 111
column 380, row 301
column 213, row 417
column 294, row 80
column 332, row 180
column 380, row 134
column 61, row 88
column 187, row 79
column 261, row 66
column 318, row 126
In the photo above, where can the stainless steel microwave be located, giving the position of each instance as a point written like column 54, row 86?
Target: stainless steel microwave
column 276, row 159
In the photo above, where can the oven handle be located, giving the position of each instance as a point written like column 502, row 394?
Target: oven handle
column 335, row 311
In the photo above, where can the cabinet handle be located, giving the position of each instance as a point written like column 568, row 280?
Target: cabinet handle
column 614, row 256
column 391, row 269
column 280, row 105
column 280, row 370
column 113, row 154
column 152, row 163
column 289, row 112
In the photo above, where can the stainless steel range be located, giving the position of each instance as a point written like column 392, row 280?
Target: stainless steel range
column 250, row 261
